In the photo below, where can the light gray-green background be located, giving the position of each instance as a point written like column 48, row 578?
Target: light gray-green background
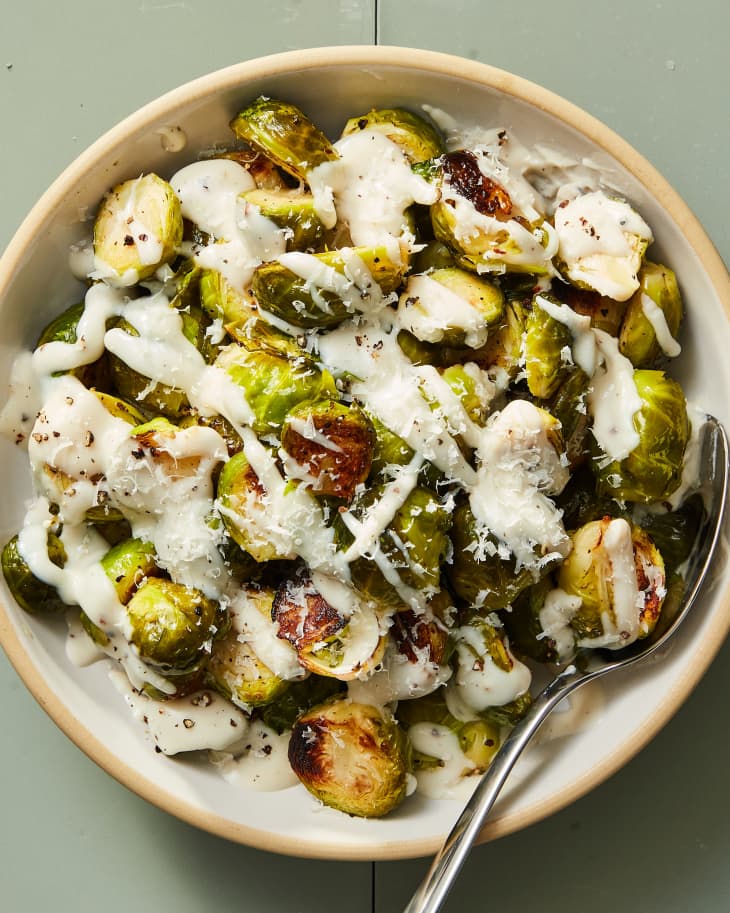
column 656, row 837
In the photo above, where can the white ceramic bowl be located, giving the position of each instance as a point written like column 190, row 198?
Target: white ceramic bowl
column 331, row 85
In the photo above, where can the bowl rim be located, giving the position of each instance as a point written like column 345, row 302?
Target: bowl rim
column 354, row 56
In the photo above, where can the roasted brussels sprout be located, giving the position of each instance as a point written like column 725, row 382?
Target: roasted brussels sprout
column 172, row 625
column 242, row 503
column 138, row 228
column 64, row 329
column 477, row 573
column 273, row 384
column 322, row 290
column 221, row 301
column 418, row 139
column 604, row 313
column 341, row 641
column 547, row 350
column 524, row 625
column 281, row 714
column 618, row 574
column 157, row 397
column 292, row 210
column 128, row 565
column 352, row 757
column 434, row 255
column 450, row 306
column 283, row 133
column 502, row 352
column 235, row 668
column 479, row 221
column 602, row 241
column 413, row 546
column 653, row 469
column 32, row 594
column 569, row 407
column 652, row 320
column 329, row 446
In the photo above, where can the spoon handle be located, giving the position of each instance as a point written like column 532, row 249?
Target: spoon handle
column 438, row 882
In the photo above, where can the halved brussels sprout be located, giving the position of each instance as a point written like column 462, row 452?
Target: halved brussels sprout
column 605, row 313
column 352, row 757
column 332, row 286
column 221, row 301
column 273, row 384
column 64, row 329
column 524, row 625
column 473, row 387
column 602, row 241
column 477, row 219
column 653, row 469
column 282, row 713
column 502, row 352
column 417, row 138
column 171, row 625
column 283, row 133
column 292, row 210
column 329, row 446
column 235, row 669
column 434, row 255
column 242, row 503
column 450, row 306
column 32, row 594
column 547, row 350
column 652, row 320
column 618, row 574
column 138, row 227
column 343, row 642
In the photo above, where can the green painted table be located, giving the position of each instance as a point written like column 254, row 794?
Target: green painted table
column 655, row 837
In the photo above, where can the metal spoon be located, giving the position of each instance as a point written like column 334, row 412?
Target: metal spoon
column 449, row 860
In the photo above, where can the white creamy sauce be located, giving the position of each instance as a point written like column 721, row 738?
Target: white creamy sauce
column 602, row 240
column 197, row 722
column 478, row 682
column 655, row 315
column 691, row 469
column 429, row 310
column 613, row 400
column 399, row 678
column 446, row 780
column 264, row 762
column 369, row 187
column 209, row 194
column 80, row 648
column 557, row 612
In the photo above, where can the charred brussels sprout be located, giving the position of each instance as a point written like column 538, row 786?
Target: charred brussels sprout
column 138, row 228
column 450, row 306
column 653, row 469
column 478, row 220
column 32, row 594
column 273, row 384
column 283, row 133
column 652, row 320
column 330, row 641
column 546, row 342
column 281, row 714
column 293, row 211
column 334, row 285
column 352, row 757
column 418, row 139
column 329, row 446
column 618, row 574
column 172, row 625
